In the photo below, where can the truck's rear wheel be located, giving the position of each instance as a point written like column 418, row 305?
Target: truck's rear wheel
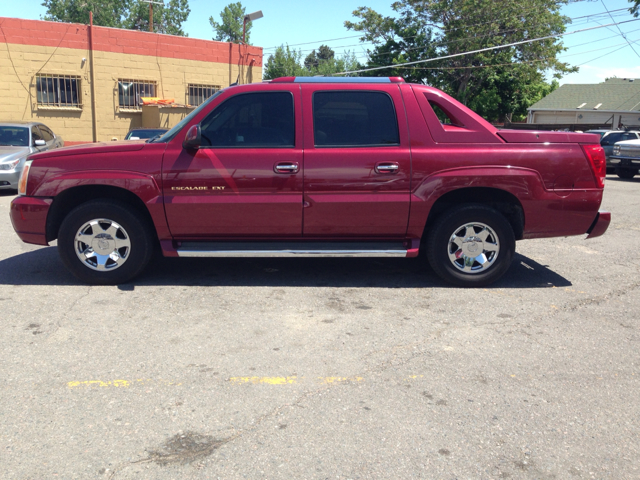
column 104, row 242
column 471, row 245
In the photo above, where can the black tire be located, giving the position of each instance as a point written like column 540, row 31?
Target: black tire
column 120, row 232
column 457, row 264
column 626, row 173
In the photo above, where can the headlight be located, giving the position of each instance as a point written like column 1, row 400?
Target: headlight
column 616, row 149
column 24, row 176
column 9, row 165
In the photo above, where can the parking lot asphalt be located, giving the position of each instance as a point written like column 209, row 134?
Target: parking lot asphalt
column 326, row 368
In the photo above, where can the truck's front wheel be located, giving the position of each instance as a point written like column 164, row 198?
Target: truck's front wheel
column 626, row 173
column 104, row 242
column 471, row 245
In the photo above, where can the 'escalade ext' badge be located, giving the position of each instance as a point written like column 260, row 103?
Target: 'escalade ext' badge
column 197, row 188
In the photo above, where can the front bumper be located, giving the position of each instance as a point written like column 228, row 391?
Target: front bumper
column 624, row 162
column 600, row 225
column 29, row 218
column 9, row 179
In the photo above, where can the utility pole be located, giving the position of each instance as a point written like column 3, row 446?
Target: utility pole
column 151, row 2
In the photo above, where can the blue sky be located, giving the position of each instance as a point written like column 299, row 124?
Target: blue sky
column 600, row 53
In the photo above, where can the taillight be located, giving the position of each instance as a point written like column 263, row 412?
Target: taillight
column 598, row 162
column 22, row 183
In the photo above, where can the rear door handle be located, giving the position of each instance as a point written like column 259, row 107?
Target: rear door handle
column 387, row 167
column 286, row 168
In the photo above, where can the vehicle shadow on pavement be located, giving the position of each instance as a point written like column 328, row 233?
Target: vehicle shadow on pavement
column 43, row 267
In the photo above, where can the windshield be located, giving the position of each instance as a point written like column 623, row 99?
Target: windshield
column 167, row 137
column 14, row 136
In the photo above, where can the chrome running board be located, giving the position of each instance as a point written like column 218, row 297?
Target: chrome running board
column 292, row 249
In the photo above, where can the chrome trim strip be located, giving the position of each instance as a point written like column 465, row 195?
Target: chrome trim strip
column 342, row 80
column 291, row 253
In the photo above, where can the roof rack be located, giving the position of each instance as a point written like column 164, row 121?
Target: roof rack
column 338, row 80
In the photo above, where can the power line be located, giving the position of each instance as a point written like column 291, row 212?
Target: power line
column 618, row 27
column 459, row 40
column 593, row 15
column 497, row 47
column 366, row 55
column 531, row 62
column 316, row 41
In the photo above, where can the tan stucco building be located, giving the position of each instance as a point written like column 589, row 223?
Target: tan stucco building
column 85, row 82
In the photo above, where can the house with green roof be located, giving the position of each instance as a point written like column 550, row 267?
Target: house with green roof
column 615, row 102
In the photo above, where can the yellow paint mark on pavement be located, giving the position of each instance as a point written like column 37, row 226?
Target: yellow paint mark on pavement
column 268, row 380
column 117, row 383
column 339, row 379
column 100, row 383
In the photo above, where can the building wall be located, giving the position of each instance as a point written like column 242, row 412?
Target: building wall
column 29, row 48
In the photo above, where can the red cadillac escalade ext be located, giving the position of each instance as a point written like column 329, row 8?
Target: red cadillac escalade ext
column 312, row 167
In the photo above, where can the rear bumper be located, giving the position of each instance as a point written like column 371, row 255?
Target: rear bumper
column 29, row 218
column 600, row 225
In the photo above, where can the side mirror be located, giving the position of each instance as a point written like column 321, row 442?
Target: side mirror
column 40, row 143
column 193, row 139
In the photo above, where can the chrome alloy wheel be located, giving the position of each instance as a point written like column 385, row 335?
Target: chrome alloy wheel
column 473, row 247
column 102, row 244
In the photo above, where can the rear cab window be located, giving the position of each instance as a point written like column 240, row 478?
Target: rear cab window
column 354, row 119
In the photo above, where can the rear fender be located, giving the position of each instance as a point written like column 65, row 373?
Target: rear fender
column 522, row 183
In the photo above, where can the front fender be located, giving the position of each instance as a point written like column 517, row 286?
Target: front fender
column 140, row 184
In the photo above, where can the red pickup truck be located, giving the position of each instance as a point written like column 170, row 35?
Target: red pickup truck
column 315, row 167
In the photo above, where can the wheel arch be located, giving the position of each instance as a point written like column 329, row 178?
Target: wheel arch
column 70, row 198
column 501, row 200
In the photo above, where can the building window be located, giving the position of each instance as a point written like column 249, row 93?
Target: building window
column 58, row 91
column 197, row 94
column 131, row 91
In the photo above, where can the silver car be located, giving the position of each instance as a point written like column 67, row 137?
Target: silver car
column 17, row 141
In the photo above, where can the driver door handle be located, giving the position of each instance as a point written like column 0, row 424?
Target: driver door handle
column 387, row 167
column 286, row 167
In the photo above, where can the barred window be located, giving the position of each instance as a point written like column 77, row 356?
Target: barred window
column 58, row 91
column 199, row 93
column 130, row 91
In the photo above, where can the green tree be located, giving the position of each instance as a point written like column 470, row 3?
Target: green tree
column 636, row 7
column 495, row 83
column 107, row 13
column 167, row 18
column 286, row 62
column 324, row 54
column 230, row 27
column 130, row 14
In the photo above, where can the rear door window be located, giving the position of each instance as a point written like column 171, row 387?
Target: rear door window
column 354, row 119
